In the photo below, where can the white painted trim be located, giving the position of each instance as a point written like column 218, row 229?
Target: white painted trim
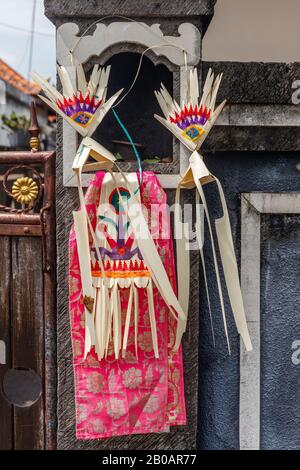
column 250, row 362
column 167, row 181
column 184, row 152
column 274, row 203
column 130, row 32
column 252, row 205
column 2, row 352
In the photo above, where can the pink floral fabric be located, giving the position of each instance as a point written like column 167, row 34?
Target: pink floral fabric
column 132, row 394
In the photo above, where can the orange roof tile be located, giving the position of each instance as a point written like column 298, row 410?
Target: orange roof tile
column 16, row 80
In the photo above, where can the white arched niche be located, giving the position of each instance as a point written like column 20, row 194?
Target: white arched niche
column 108, row 36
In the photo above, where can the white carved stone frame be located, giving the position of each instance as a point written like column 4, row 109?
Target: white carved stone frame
column 252, row 206
column 107, row 36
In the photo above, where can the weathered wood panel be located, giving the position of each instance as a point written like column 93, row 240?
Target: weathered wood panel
column 28, row 335
column 29, row 230
column 49, row 263
column 6, row 434
column 27, row 314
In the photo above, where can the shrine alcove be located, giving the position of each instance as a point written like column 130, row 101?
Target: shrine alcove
column 137, row 110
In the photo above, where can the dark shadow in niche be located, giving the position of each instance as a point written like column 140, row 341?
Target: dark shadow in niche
column 137, row 109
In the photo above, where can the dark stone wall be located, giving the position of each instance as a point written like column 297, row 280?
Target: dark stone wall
column 248, row 84
column 218, row 425
column 255, row 82
column 134, row 8
column 280, row 299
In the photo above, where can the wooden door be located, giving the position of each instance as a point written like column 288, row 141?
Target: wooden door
column 27, row 302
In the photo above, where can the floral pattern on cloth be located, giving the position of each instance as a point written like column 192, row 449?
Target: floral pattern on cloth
column 132, row 394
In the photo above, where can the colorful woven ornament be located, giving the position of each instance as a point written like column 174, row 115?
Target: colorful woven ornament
column 192, row 121
column 83, row 106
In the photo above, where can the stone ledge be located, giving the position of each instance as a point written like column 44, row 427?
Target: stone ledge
column 134, row 8
column 260, row 115
column 252, row 138
column 255, row 82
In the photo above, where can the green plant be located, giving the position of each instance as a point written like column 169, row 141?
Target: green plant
column 15, row 122
column 152, row 160
column 119, row 157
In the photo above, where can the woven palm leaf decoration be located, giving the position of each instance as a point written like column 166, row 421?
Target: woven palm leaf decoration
column 111, row 263
column 191, row 122
column 82, row 107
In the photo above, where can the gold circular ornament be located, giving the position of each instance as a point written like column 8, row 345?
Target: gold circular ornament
column 25, row 190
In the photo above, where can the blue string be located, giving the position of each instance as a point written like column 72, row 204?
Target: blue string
column 128, row 136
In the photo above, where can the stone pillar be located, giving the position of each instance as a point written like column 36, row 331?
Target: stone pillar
column 170, row 14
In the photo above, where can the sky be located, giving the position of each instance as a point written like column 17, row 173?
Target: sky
column 237, row 32
column 14, row 43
